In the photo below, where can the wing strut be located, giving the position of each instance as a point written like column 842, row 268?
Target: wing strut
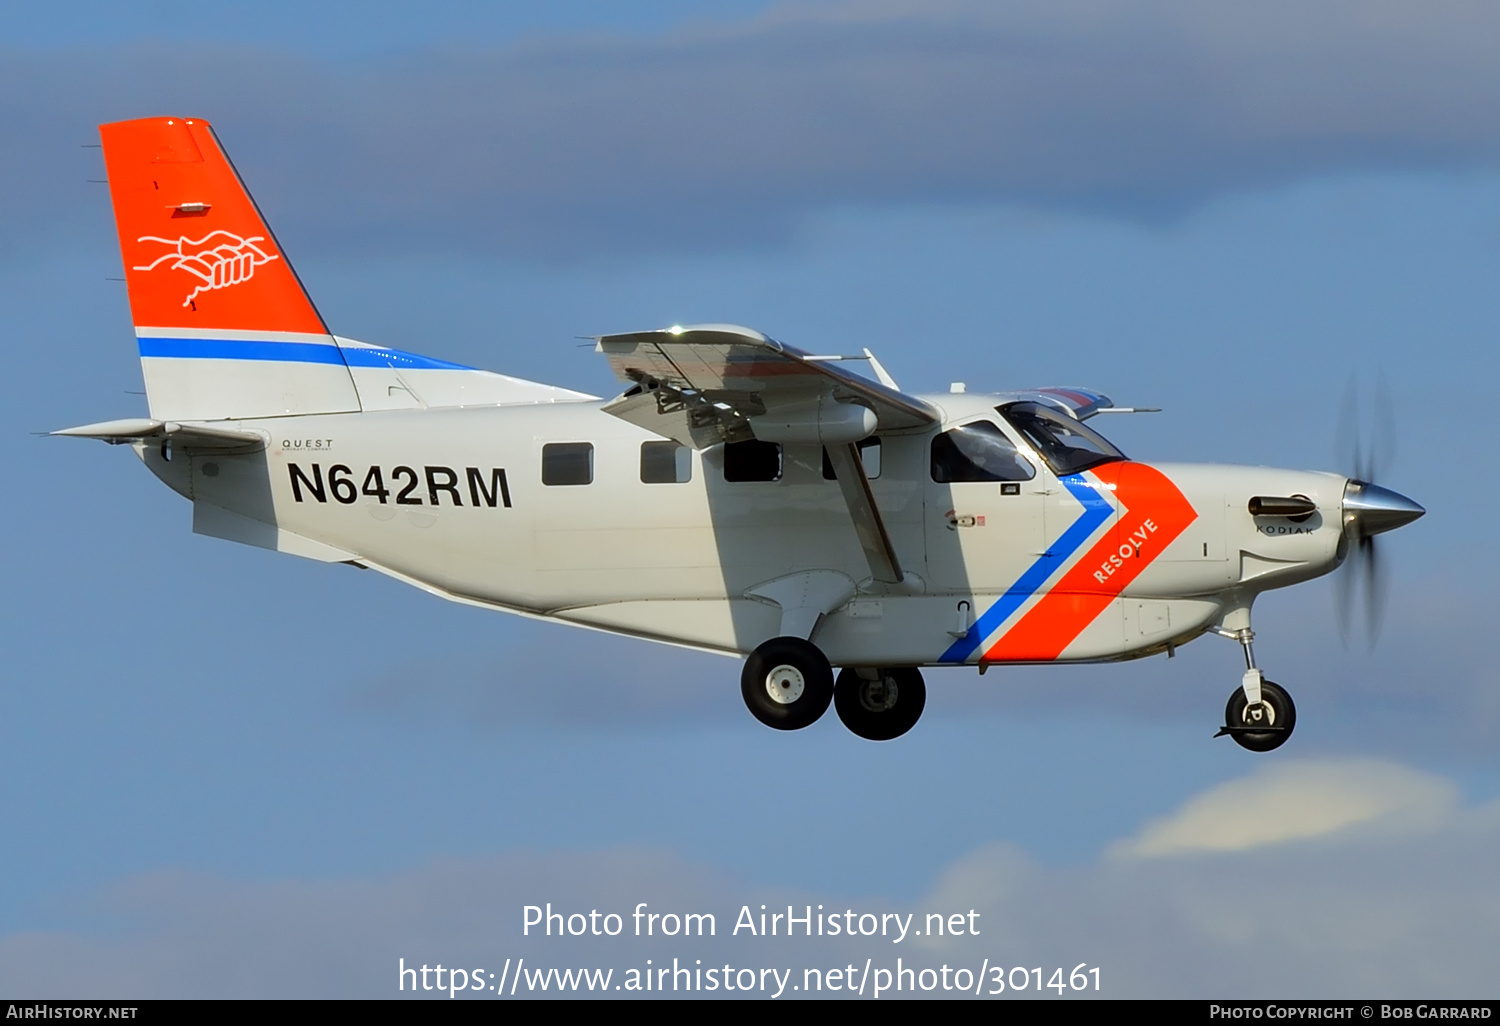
column 873, row 538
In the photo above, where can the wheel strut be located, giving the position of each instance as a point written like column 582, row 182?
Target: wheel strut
column 1253, row 678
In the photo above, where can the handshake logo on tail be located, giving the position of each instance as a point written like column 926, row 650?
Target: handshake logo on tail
column 218, row 260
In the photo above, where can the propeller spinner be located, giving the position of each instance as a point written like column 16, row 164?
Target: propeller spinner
column 1369, row 509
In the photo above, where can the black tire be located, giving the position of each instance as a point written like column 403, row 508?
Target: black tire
column 1277, row 711
column 880, row 710
column 787, row 683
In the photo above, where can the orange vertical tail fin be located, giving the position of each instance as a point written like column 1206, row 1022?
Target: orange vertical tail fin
column 224, row 326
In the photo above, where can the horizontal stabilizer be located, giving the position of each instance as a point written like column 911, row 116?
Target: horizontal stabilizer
column 186, row 436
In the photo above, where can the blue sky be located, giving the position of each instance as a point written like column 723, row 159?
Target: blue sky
column 214, row 757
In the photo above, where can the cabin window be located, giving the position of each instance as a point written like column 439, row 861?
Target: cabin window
column 978, row 452
column 568, row 463
column 666, row 463
column 752, row 461
column 869, row 455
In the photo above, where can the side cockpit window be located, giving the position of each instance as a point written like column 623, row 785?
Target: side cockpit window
column 1069, row 446
column 978, row 452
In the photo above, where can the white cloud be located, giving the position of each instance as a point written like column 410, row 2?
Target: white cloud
column 1372, row 909
column 1296, row 801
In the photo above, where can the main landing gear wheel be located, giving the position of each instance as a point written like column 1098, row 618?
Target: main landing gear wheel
column 882, row 709
column 1276, row 714
column 787, row 683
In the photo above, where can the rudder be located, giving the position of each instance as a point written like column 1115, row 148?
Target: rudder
column 224, row 326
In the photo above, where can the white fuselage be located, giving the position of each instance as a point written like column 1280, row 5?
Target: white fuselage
column 453, row 500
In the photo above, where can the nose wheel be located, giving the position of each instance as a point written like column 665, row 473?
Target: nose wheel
column 1264, row 725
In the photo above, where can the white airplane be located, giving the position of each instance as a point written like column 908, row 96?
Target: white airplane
column 739, row 496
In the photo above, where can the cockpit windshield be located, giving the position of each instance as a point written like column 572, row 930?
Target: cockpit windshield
column 1066, row 444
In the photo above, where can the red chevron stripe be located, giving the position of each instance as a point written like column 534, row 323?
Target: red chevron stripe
column 1153, row 512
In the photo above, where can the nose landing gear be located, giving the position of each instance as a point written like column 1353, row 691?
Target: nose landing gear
column 1260, row 715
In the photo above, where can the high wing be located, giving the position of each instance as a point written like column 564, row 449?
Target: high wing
column 714, row 383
